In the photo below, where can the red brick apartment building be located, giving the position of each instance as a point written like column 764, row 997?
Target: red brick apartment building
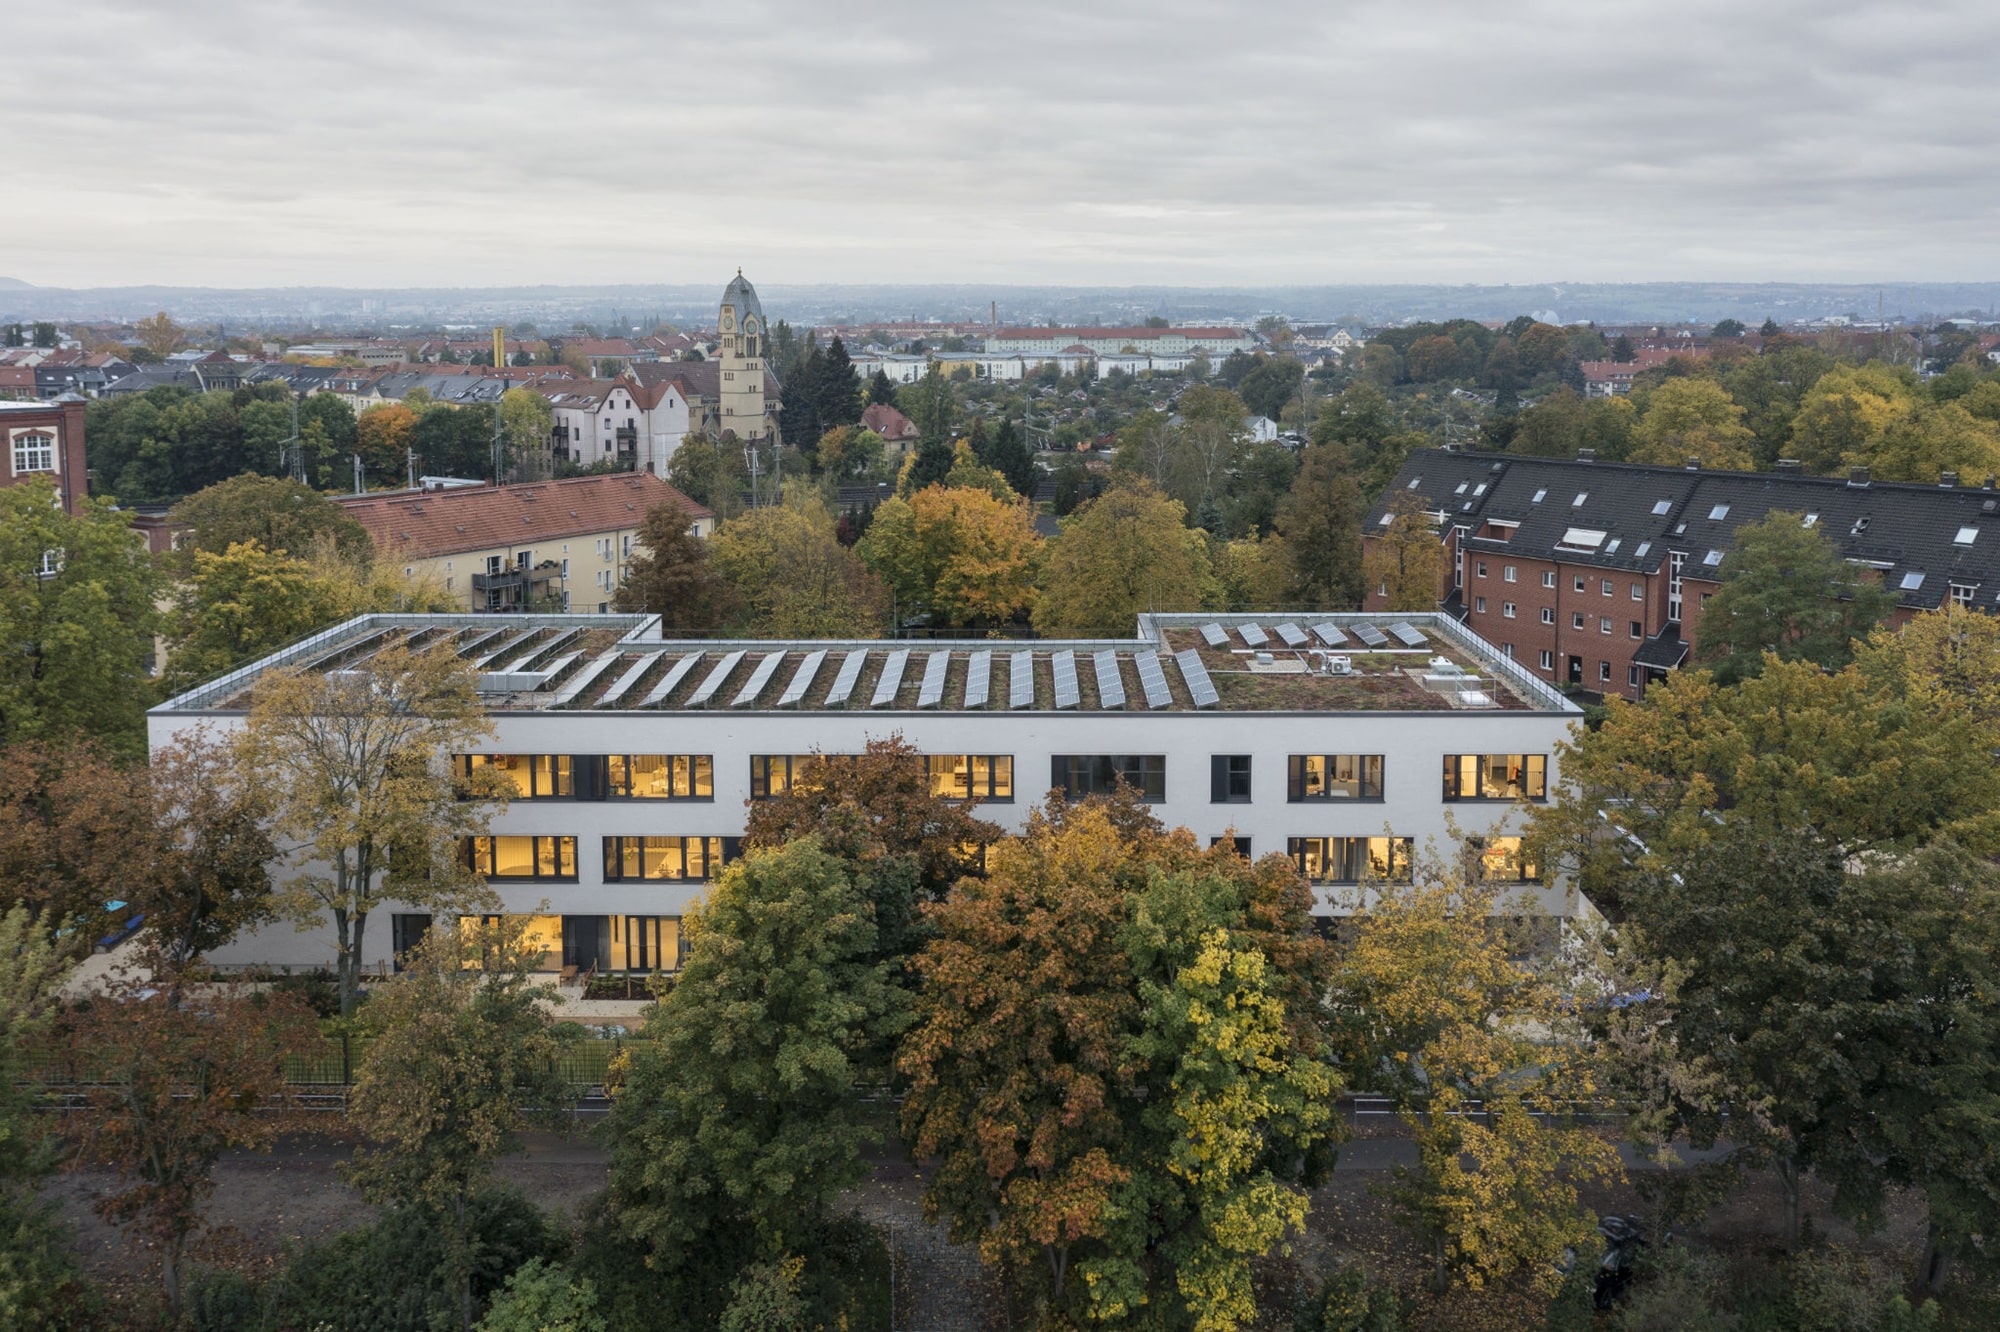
column 1595, row 574
column 45, row 439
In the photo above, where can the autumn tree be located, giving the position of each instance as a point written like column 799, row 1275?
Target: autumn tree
column 68, row 817
column 1404, row 563
column 176, row 1082
column 740, row 1119
column 903, row 839
column 77, row 614
column 1117, row 1067
column 1846, row 412
column 356, row 765
column 1564, row 422
column 382, row 436
column 38, row 1278
column 670, row 575
column 1787, row 592
column 200, row 864
column 526, row 419
column 160, row 335
column 1320, row 519
column 792, row 575
column 463, row 1053
column 956, row 554
column 1432, row 1002
column 1691, row 418
column 1123, row 553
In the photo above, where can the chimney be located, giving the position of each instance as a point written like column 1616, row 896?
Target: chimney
column 1990, row 479
column 1694, row 464
column 1857, row 476
column 1789, row 467
column 1586, row 455
column 1949, row 480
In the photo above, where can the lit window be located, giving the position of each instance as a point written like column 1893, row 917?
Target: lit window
column 972, row 776
column 675, row 859
column 1351, row 859
column 1497, row 776
column 521, row 857
column 1311, row 777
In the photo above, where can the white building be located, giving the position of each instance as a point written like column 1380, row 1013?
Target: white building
column 1216, row 342
column 597, row 420
column 635, row 757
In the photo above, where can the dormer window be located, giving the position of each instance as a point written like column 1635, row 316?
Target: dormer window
column 1540, row 495
column 1581, row 496
column 1718, row 513
column 1912, row 581
column 1660, row 508
column 1966, row 536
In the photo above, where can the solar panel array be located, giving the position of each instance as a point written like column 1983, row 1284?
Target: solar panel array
column 570, row 692
column 706, row 690
column 1253, row 634
column 1200, row 687
column 843, row 683
column 563, row 642
column 931, row 692
column 1110, row 684
column 559, row 665
column 978, row 679
column 1329, row 634
column 760, row 677
column 892, row 678
column 1153, row 680
column 1063, row 664
column 1292, row 635
column 1215, row 635
column 1370, row 635
column 1406, row 635
column 802, row 679
column 478, row 641
column 1021, row 680
column 624, row 683
column 505, row 646
column 675, row 674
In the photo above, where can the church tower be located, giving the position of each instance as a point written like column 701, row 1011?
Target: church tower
column 741, row 324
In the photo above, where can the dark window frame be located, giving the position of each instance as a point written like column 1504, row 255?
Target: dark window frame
column 1229, row 779
column 1295, row 779
column 625, row 857
column 1534, row 779
column 486, row 848
column 1145, row 772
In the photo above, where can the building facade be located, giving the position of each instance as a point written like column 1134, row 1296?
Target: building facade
column 1595, row 574
column 45, row 439
column 1348, row 746
column 743, row 336
column 1214, row 342
column 546, row 545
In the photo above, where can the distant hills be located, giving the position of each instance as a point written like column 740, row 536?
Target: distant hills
column 554, row 308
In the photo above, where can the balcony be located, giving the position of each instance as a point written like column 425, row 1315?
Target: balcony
column 628, row 439
column 525, row 579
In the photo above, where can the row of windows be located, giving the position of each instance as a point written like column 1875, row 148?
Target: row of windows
column 990, row 777
column 696, row 859
column 1606, row 587
column 1360, row 859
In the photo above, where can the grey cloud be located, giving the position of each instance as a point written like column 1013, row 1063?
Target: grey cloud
column 238, row 143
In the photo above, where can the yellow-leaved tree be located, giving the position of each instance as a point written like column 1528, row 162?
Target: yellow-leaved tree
column 1403, row 561
column 956, row 554
column 1127, row 551
column 1692, row 418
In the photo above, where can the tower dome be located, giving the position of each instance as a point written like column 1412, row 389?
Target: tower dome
column 740, row 298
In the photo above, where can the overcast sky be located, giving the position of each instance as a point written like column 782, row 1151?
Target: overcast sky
column 1121, row 141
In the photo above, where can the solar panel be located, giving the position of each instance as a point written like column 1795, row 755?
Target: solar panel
column 1215, row 635
column 1253, row 634
column 1330, row 634
column 627, row 680
column 559, row 665
column 569, row 692
column 562, row 642
column 843, row 683
column 1200, row 687
column 368, row 644
column 802, row 679
column 931, row 692
column 1153, row 680
column 1370, row 635
column 1406, row 635
column 978, row 679
column 675, row 674
column 1292, row 634
column 892, row 678
column 1064, row 666
column 1110, row 686
column 706, row 690
column 1021, row 680
column 760, row 677
column 478, row 641
column 505, row 646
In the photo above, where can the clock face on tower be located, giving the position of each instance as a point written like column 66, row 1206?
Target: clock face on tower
column 728, row 321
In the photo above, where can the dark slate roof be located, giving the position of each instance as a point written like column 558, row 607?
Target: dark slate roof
column 1663, row 651
column 1628, row 517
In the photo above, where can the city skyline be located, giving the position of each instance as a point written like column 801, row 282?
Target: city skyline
column 223, row 145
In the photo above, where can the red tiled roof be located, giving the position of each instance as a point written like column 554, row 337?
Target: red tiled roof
column 887, row 422
column 444, row 522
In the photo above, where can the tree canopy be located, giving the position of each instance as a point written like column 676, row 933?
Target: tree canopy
column 1786, row 592
column 1125, row 552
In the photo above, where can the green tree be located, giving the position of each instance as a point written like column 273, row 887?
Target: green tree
column 740, row 1120
column 357, row 768
column 1274, row 383
column 540, row 1297
column 240, row 605
column 880, row 390
column 271, row 511
column 200, row 861
column 1728, row 328
column 1127, row 551
column 77, row 613
column 1768, row 329
column 463, row 1051
column 1786, row 591
column 712, row 473
column 671, row 576
column 526, row 418
column 38, row 1279
column 839, row 387
column 1010, row 456
column 1404, row 563
column 792, row 575
column 1564, row 422
column 1320, row 519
